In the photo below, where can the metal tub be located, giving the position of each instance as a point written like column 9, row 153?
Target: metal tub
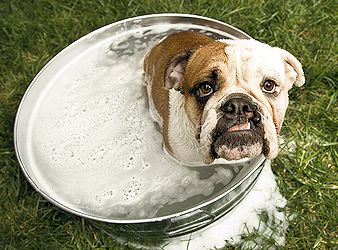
column 179, row 218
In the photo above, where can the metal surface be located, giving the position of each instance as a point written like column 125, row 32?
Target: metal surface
column 168, row 225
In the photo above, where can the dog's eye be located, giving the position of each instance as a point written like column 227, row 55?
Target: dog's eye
column 269, row 86
column 204, row 90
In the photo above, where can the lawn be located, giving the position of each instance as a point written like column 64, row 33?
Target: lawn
column 32, row 32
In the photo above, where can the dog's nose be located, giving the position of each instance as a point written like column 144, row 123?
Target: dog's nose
column 241, row 110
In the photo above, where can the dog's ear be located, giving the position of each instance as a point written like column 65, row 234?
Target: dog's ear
column 293, row 68
column 175, row 69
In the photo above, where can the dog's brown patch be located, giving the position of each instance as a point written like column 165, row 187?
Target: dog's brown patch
column 156, row 63
column 201, row 69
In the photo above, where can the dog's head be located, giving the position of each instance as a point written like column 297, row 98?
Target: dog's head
column 235, row 95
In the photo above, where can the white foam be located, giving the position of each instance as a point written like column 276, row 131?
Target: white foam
column 243, row 219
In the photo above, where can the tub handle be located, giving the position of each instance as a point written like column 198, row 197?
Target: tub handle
column 175, row 228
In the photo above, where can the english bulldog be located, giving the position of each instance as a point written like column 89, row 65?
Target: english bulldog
column 219, row 98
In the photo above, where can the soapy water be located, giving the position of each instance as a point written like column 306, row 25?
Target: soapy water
column 96, row 147
column 97, row 150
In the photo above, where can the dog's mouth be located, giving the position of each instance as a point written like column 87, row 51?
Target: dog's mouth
column 237, row 141
column 239, row 127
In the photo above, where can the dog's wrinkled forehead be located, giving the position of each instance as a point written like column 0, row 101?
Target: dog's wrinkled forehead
column 258, row 60
column 234, row 60
column 250, row 59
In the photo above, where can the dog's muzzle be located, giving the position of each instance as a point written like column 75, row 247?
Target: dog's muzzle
column 239, row 131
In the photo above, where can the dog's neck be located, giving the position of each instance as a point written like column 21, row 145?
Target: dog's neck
column 181, row 131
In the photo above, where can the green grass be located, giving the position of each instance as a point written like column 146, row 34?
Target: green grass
column 32, row 32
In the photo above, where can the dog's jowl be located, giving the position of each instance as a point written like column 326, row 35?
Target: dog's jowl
column 219, row 98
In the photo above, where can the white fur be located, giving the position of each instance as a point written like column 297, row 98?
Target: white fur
column 209, row 122
column 235, row 153
column 182, row 131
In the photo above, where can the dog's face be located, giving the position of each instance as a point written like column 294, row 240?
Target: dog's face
column 235, row 95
